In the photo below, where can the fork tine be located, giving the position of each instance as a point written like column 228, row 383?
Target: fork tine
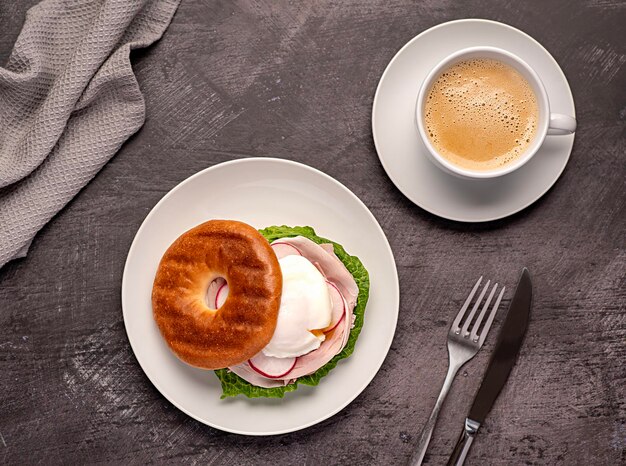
column 464, row 331
column 492, row 315
column 459, row 316
column 476, row 326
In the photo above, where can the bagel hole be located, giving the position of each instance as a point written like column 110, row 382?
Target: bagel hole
column 216, row 293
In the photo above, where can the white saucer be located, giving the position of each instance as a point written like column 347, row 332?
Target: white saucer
column 261, row 192
column 402, row 153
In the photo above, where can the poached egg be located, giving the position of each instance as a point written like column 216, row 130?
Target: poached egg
column 305, row 309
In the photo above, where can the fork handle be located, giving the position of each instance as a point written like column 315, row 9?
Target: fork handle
column 427, row 431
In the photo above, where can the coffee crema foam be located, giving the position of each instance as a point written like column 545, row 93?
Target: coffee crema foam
column 481, row 114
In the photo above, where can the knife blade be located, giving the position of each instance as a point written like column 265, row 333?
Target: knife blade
column 502, row 361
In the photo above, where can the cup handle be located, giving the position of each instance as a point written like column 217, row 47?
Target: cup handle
column 561, row 124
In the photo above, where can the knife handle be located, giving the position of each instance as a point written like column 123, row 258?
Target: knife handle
column 461, row 449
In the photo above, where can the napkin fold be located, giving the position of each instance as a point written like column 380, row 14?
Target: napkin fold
column 68, row 101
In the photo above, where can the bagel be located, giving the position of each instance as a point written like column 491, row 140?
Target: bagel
column 244, row 324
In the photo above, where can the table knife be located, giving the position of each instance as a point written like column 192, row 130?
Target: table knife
column 502, row 361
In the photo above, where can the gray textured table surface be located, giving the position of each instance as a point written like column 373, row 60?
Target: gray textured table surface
column 296, row 80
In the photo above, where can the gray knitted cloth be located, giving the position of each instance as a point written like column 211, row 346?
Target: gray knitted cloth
column 68, row 101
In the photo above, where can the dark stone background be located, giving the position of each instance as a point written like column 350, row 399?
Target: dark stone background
column 296, row 80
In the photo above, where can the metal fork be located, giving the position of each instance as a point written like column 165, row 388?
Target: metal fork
column 463, row 344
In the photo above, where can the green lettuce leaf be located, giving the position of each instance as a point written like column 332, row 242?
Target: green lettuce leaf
column 233, row 385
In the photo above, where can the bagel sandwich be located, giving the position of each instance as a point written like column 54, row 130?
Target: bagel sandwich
column 267, row 309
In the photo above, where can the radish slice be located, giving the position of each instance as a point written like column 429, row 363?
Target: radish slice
column 343, row 316
column 211, row 294
column 248, row 374
column 271, row 367
column 339, row 306
column 284, row 249
column 222, row 294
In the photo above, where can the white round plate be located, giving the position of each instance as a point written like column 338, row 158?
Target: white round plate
column 403, row 154
column 261, row 192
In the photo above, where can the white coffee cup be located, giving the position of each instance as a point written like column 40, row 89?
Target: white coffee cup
column 548, row 123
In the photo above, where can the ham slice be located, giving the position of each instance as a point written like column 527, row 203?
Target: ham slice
column 339, row 278
column 305, row 365
column 332, row 267
column 332, row 346
column 282, row 249
column 339, row 306
column 248, row 374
